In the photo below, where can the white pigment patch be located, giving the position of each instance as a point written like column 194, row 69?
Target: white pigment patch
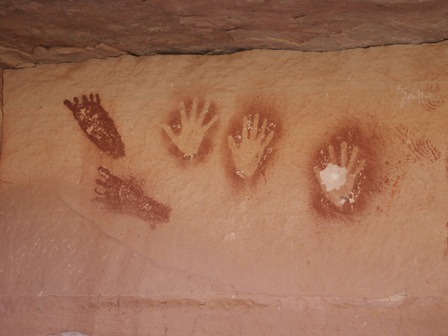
column 333, row 177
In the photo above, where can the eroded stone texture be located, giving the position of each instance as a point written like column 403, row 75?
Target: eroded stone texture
column 261, row 255
column 69, row 55
column 180, row 26
column 14, row 58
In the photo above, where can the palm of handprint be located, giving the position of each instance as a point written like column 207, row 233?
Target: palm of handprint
column 97, row 124
column 338, row 179
column 192, row 129
column 248, row 152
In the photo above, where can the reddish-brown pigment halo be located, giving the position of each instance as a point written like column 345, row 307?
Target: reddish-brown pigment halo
column 368, row 181
column 266, row 110
column 174, row 122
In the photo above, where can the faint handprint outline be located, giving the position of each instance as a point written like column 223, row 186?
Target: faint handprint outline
column 96, row 123
column 192, row 128
column 248, row 151
column 127, row 197
column 337, row 180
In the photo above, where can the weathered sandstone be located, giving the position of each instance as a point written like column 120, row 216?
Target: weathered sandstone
column 117, row 220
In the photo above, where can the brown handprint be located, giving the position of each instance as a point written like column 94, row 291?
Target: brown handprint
column 127, row 197
column 192, row 128
column 248, row 151
column 96, row 124
column 337, row 180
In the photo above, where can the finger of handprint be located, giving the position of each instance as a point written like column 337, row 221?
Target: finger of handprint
column 265, row 142
column 245, row 127
column 360, row 167
column 204, row 111
column 85, row 101
column 183, row 114
column 69, row 104
column 317, row 173
column 101, row 183
column 353, row 159
column 76, row 100
column 92, row 99
column 211, row 123
column 194, row 108
column 343, row 154
column 169, row 131
column 332, row 155
column 263, row 129
column 100, row 191
column 254, row 129
column 98, row 100
column 104, row 172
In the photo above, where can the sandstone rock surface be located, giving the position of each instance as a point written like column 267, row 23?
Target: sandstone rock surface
column 199, row 27
column 241, row 254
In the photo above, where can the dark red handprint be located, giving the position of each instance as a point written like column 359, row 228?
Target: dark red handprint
column 127, row 197
column 97, row 125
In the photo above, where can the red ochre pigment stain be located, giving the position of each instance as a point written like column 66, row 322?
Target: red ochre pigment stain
column 96, row 123
column 366, row 181
column 127, row 197
column 239, row 131
column 175, row 124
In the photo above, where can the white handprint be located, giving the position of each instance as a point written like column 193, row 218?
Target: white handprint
column 247, row 154
column 337, row 180
column 192, row 129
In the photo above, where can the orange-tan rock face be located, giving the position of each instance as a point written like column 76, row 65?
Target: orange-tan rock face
column 260, row 193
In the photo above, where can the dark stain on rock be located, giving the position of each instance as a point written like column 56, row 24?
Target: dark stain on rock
column 368, row 181
column 266, row 112
column 96, row 123
column 127, row 197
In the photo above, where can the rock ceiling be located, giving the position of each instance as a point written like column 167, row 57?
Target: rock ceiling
column 56, row 31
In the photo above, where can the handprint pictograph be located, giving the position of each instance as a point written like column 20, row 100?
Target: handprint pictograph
column 249, row 148
column 97, row 124
column 188, row 133
column 337, row 180
column 127, row 197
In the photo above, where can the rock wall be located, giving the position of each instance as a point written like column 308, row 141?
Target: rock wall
column 39, row 32
column 259, row 193
column 1, row 111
